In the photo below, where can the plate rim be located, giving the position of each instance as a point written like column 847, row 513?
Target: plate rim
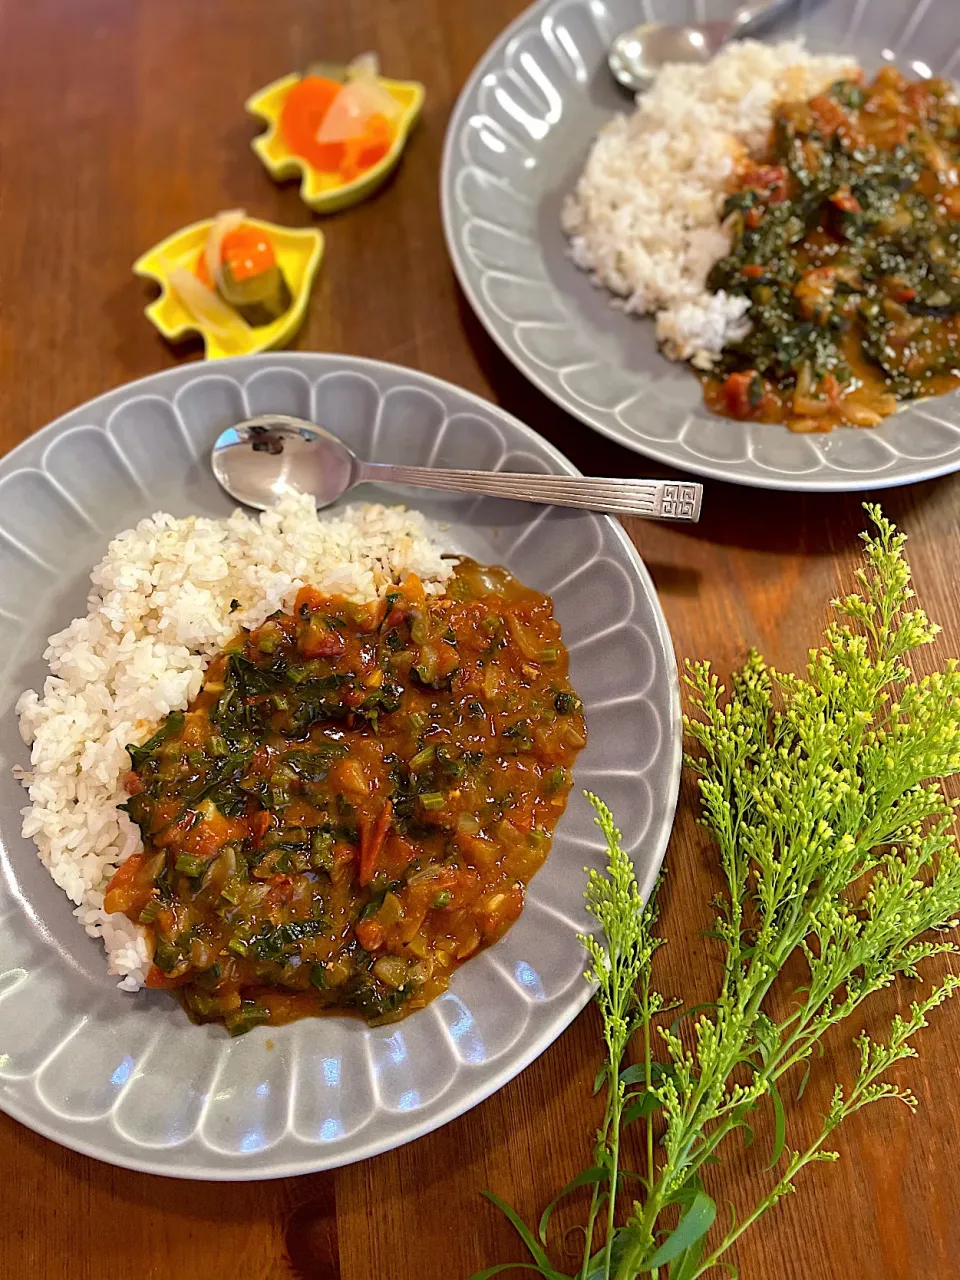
column 585, row 414
column 262, row 1167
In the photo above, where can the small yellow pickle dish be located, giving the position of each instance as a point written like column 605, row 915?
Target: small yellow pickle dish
column 242, row 284
column 341, row 128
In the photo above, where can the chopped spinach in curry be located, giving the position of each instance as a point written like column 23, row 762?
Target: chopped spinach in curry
column 846, row 242
column 353, row 804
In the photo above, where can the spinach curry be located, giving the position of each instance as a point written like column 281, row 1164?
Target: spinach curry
column 354, row 802
column 845, row 240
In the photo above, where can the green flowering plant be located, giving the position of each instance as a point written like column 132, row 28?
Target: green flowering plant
column 823, row 796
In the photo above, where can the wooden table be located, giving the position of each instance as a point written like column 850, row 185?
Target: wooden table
column 121, row 121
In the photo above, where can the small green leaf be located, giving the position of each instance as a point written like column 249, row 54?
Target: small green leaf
column 818, row 1049
column 601, row 1079
column 507, row 1266
column 687, row 1192
column 647, row 1103
column 694, row 1224
column 588, row 1176
column 696, row 1008
column 624, row 1238
column 803, row 1082
column 637, row 1074
column 780, row 1125
column 526, row 1235
column 685, row 1264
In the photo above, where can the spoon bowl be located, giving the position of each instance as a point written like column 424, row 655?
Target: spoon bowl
column 638, row 54
column 263, row 459
column 635, row 56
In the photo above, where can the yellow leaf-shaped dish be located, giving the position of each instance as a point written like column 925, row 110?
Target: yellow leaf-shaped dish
column 299, row 253
column 326, row 192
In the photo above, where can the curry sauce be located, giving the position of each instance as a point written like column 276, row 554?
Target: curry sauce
column 846, row 240
column 354, row 803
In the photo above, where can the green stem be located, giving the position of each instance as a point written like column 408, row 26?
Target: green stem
column 588, row 1234
column 648, row 1075
column 796, row 1164
column 616, row 1093
column 595, row 1197
column 632, row 1260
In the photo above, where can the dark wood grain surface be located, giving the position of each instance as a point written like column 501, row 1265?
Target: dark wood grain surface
column 121, row 120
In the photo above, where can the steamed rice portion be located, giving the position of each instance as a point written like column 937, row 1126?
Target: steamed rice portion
column 168, row 595
column 645, row 217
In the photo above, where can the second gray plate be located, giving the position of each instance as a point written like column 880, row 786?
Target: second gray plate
column 515, row 146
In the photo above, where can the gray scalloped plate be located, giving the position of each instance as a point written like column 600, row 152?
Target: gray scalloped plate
column 126, row 1078
column 515, row 145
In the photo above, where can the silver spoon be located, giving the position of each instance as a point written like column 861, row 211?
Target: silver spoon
column 260, row 460
column 637, row 55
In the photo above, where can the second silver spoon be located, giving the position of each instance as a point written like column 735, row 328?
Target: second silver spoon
column 637, row 55
column 260, row 460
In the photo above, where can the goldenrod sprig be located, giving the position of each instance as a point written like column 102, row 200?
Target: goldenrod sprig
column 836, row 845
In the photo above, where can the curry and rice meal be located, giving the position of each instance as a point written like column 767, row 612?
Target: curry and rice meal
column 299, row 764
column 795, row 230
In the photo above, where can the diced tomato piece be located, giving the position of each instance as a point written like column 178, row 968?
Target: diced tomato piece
column 412, row 588
column 261, row 823
column 754, row 217
column 771, row 179
column 521, row 816
column 905, row 294
column 165, row 830
column 397, row 855
column 166, row 920
column 828, row 115
column 844, row 199
column 506, row 911
column 738, row 390
column 830, row 388
column 310, row 597
column 209, row 835
column 918, row 98
column 157, row 980
column 369, row 934
column 372, row 837
column 753, row 271
column 129, row 887
column 281, row 888
column 318, row 641
column 815, row 292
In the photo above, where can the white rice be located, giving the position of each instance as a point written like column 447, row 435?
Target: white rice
column 160, row 606
column 645, row 217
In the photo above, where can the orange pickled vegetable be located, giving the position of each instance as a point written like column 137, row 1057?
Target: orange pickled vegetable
column 303, row 112
column 367, row 150
column 246, row 250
